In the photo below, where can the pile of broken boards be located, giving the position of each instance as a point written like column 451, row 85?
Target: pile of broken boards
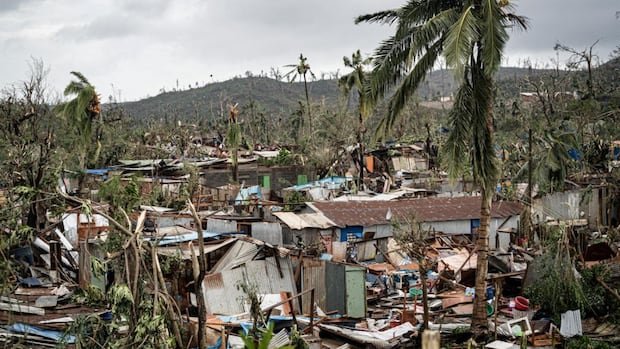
column 395, row 295
column 40, row 305
column 273, row 273
column 394, row 286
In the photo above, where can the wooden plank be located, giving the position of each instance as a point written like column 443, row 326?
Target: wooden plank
column 46, row 301
column 40, row 291
column 18, row 308
column 450, row 302
column 463, row 309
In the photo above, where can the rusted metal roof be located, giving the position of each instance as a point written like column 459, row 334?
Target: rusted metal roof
column 368, row 213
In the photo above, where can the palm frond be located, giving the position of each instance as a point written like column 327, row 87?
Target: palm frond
column 517, row 22
column 457, row 149
column 460, row 39
column 494, row 36
column 409, row 84
column 484, row 161
column 383, row 17
column 421, row 11
column 393, row 59
column 81, row 78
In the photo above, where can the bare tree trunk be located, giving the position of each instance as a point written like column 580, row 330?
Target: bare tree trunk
column 423, row 279
column 479, row 321
column 202, row 309
column 235, row 165
column 308, row 105
column 360, row 141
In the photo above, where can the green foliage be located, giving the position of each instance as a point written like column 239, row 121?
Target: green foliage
column 597, row 297
column 81, row 113
column 119, row 194
column 558, row 288
column 284, row 158
column 92, row 296
column 587, row 343
column 13, row 232
column 90, row 331
column 265, row 337
column 292, row 199
column 121, row 300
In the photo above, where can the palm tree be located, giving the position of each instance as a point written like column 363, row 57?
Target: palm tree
column 81, row 112
column 357, row 80
column 233, row 139
column 471, row 34
column 300, row 70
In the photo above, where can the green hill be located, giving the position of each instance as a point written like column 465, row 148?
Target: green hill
column 281, row 98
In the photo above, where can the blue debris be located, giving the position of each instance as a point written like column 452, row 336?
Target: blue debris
column 50, row 334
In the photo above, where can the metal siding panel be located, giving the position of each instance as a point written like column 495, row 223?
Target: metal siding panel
column 270, row 233
column 356, row 292
column 265, row 275
column 336, row 293
column 221, row 226
column 221, row 293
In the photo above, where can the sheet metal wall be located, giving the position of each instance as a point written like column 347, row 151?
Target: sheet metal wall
column 313, row 276
column 336, row 293
column 271, row 233
column 221, row 226
column 356, row 291
column 222, row 295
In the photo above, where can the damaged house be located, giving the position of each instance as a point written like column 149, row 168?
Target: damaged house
column 372, row 222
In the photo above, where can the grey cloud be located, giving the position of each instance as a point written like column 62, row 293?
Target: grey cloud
column 144, row 7
column 11, row 5
column 105, row 27
column 191, row 39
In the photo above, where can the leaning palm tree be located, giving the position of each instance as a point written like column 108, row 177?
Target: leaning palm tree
column 300, row 70
column 81, row 112
column 471, row 34
column 357, row 80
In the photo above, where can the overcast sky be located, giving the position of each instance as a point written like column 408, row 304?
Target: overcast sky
column 139, row 46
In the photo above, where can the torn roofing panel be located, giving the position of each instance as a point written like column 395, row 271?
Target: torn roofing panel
column 185, row 250
column 368, row 213
column 245, row 250
column 304, row 220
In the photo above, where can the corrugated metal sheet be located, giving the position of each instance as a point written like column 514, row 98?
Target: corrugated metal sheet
column 368, row 213
column 239, row 253
column 186, row 252
column 562, row 206
column 221, row 226
column 304, row 220
column 223, row 296
column 221, row 293
column 270, row 233
column 266, row 276
column 313, row 276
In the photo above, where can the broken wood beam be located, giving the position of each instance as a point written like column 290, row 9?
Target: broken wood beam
column 611, row 290
column 19, row 308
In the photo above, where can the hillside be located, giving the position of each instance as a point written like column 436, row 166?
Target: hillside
column 281, row 98
column 276, row 97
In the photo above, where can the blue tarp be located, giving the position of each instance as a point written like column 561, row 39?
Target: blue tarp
column 574, row 154
column 333, row 182
column 175, row 239
column 50, row 334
